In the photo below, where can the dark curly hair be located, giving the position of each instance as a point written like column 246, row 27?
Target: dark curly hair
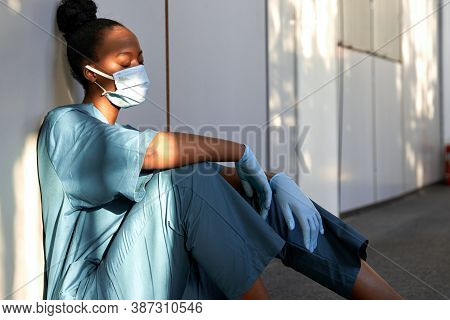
column 83, row 31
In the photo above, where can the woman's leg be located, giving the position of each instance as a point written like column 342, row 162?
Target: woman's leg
column 252, row 243
column 188, row 215
column 257, row 292
column 370, row 285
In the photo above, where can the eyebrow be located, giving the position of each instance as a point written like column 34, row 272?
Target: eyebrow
column 129, row 52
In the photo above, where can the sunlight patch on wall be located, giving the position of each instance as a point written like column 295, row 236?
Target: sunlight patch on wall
column 15, row 5
column 29, row 267
column 421, row 101
column 307, row 25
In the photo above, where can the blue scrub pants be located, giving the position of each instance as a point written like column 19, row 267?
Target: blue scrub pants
column 193, row 236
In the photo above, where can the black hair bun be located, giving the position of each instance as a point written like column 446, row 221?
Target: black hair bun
column 72, row 14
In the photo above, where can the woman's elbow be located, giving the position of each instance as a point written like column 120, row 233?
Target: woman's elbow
column 161, row 154
column 150, row 159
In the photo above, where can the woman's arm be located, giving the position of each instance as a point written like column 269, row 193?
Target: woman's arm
column 175, row 149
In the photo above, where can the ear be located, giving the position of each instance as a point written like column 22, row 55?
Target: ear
column 89, row 75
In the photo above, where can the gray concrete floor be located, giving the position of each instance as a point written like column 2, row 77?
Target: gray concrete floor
column 409, row 246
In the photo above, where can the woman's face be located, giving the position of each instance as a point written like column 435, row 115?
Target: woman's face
column 119, row 50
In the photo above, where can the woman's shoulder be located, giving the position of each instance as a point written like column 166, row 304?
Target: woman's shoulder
column 64, row 111
column 63, row 123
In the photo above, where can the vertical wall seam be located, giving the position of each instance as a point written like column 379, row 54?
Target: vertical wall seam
column 440, row 47
column 340, row 64
column 296, row 83
column 402, row 102
column 166, row 11
column 373, row 104
column 266, row 36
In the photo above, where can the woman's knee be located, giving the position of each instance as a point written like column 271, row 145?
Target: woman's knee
column 193, row 176
column 174, row 190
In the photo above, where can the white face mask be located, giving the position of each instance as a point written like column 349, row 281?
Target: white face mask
column 132, row 85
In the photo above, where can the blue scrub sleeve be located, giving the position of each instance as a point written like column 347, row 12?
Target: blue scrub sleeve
column 97, row 162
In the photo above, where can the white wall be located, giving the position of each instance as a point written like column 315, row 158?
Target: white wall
column 391, row 115
column 372, row 137
column 422, row 130
column 35, row 78
column 389, row 154
column 445, row 69
column 357, row 166
column 283, row 86
column 218, row 70
column 303, row 64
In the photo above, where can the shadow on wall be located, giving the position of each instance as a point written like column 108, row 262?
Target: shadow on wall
column 21, row 242
column 300, row 47
column 303, row 95
column 282, row 83
column 422, row 149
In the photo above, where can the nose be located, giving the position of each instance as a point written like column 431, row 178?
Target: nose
column 134, row 63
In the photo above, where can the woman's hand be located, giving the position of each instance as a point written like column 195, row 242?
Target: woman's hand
column 253, row 177
column 290, row 197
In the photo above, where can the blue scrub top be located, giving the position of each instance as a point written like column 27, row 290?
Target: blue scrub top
column 85, row 164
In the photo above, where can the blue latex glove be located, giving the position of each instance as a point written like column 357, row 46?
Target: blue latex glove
column 290, row 198
column 253, row 178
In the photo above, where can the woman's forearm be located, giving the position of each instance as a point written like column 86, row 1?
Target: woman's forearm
column 175, row 149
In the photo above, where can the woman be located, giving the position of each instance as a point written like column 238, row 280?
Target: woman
column 132, row 214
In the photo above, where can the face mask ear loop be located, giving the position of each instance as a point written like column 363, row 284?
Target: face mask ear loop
column 107, row 76
column 104, row 91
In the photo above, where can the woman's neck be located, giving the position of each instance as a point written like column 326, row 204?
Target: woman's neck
column 110, row 111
